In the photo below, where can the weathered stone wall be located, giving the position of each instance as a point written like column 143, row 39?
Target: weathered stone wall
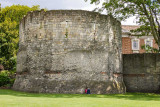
column 65, row 51
column 141, row 72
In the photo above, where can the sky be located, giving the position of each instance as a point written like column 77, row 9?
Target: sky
column 60, row 4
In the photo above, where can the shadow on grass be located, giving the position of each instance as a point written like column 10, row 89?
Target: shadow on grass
column 127, row 96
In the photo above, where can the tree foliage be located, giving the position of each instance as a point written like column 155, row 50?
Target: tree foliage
column 9, row 33
column 146, row 11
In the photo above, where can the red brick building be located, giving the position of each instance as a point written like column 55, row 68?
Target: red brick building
column 132, row 43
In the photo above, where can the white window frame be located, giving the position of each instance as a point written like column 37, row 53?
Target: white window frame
column 148, row 39
column 133, row 42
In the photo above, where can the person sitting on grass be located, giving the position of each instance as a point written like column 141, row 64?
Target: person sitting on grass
column 88, row 91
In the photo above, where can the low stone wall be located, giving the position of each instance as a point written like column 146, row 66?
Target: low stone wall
column 141, row 72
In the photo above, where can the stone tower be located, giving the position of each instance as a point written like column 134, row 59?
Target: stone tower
column 65, row 51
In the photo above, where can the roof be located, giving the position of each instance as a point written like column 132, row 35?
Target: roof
column 130, row 27
column 126, row 28
column 1, row 67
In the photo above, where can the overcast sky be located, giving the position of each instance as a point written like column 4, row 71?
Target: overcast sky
column 58, row 4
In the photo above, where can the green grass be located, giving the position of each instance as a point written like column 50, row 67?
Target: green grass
column 10, row 98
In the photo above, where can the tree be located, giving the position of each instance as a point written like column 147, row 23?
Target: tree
column 146, row 11
column 9, row 33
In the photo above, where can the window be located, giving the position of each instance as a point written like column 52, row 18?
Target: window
column 135, row 44
column 149, row 42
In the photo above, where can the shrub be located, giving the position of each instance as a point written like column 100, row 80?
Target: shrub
column 6, row 79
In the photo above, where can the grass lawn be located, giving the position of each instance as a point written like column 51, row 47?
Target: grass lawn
column 10, row 98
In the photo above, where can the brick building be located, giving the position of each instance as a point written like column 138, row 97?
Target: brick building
column 132, row 43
